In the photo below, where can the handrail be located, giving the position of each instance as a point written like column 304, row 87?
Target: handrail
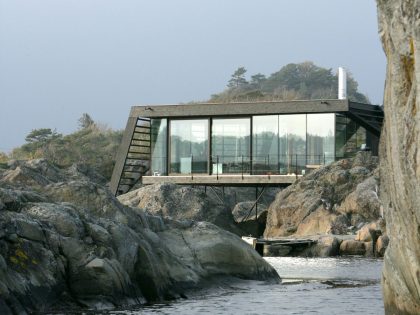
column 262, row 164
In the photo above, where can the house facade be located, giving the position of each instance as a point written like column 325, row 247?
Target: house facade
column 241, row 143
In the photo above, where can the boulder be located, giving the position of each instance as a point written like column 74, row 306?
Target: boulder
column 366, row 232
column 352, row 247
column 400, row 154
column 381, row 245
column 364, row 200
column 326, row 246
column 331, row 199
column 219, row 252
column 276, row 250
column 182, row 203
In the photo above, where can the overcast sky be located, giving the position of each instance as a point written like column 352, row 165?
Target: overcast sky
column 61, row 58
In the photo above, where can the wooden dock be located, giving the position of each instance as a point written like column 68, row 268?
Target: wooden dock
column 278, row 246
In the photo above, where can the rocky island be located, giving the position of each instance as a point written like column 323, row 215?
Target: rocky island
column 66, row 242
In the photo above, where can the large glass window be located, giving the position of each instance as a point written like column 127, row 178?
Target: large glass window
column 350, row 136
column 189, row 146
column 292, row 143
column 158, row 146
column 320, row 138
column 265, row 144
column 231, row 145
column 340, row 135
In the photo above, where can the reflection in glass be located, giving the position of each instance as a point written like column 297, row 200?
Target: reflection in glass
column 340, row 135
column 230, row 145
column 265, row 144
column 292, row 143
column 189, row 143
column 158, row 146
column 320, row 138
column 350, row 136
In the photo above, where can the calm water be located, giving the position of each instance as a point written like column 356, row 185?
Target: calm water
column 310, row 286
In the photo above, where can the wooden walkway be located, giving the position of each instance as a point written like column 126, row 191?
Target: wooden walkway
column 285, row 244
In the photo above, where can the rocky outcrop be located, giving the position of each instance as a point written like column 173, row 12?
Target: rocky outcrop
column 325, row 246
column 399, row 25
column 182, row 203
column 249, row 219
column 65, row 241
column 336, row 199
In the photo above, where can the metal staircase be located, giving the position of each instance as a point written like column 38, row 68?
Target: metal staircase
column 134, row 156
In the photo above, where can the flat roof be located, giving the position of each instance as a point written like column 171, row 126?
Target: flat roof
column 241, row 108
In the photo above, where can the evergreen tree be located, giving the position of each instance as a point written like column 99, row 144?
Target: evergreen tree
column 257, row 80
column 86, row 121
column 41, row 135
column 238, row 78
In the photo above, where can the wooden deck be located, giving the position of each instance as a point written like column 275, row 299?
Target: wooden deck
column 285, row 245
column 228, row 180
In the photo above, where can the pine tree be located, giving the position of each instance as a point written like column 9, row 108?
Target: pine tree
column 238, row 78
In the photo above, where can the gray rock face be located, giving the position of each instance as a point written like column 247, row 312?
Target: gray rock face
column 330, row 200
column 399, row 28
column 182, row 203
column 66, row 242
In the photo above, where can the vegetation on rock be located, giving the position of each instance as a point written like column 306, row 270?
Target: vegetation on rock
column 93, row 145
column 292, row 82
column 96, row 145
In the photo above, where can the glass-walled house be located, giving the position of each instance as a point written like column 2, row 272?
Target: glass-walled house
column 250, row 139
column 260, row 144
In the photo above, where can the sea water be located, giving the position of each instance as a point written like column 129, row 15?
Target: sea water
column 310, row 286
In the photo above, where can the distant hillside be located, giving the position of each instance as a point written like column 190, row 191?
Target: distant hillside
column 293, row 81
column 93, row 145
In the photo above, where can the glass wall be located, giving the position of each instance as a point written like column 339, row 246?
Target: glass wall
column 189, row 146
column 159, row 148
column 320, row 138
column 340, row 135
column 265, row 144
column 231, row 145
column 281, row 144
column 350, row 137
column 292, row 143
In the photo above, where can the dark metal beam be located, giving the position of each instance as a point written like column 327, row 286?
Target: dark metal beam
column 373, row 128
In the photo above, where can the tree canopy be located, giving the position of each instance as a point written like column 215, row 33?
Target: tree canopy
column 293, row 81
column 237, row 79
column 86, row 121
column 42, row 135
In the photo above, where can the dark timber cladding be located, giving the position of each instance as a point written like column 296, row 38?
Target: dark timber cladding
column 135, row 158
column 241, row 108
